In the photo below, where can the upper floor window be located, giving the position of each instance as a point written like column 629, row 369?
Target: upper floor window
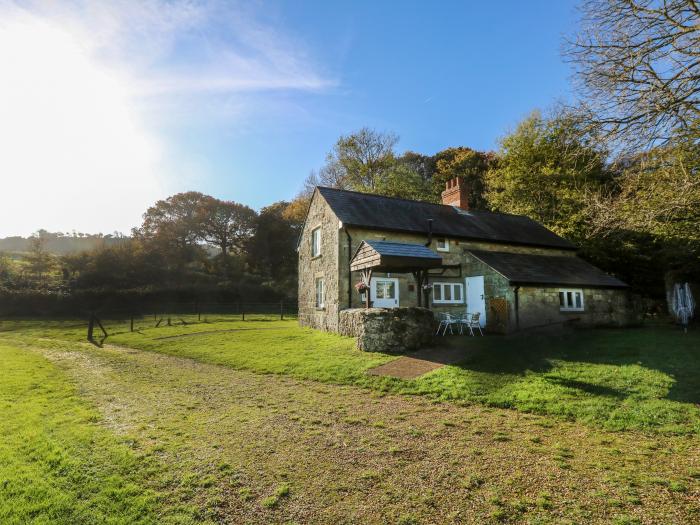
column 571, row 300
column 448, row 293
column 443, row 245
column 316, row 242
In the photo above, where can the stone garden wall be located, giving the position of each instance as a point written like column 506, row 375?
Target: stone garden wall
column 389, row 330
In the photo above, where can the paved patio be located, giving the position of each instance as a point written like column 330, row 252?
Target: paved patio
column 425, row 360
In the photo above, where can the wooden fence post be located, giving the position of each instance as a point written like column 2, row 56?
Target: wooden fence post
column 281, row 310
column 131, row 325
column 91, row 326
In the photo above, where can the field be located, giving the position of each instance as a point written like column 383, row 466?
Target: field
column 263, row 422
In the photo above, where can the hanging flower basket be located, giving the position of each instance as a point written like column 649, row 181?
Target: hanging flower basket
column 361, row 287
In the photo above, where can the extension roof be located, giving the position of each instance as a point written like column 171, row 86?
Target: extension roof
column 401, row 215
column 562, row 270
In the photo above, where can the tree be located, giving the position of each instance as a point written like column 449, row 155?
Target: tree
column 272, row 249
column 7, row 272
column 547, row 169
column 655, row 201
column 402, row 181
column 357, row 161
column 176, row 220
column 39, row 260
column 365, row 161
column 172, row 228
column 226, row 224
column 638, row 68
column 462, row 162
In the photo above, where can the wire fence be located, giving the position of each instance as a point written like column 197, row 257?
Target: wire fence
column 102, row 323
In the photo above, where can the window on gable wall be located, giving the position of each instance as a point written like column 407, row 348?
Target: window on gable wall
column 448, row 293
column 443, row 245
column 320, row 293
column 316, row 242
column 571, row 300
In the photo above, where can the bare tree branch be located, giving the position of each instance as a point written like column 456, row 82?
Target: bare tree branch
column 637, row 68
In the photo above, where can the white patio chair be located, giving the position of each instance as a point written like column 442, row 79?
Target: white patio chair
column 463, row 320
column 473, row 322
column 446, row 321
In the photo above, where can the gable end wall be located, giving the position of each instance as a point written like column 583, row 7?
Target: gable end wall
column 325, row 266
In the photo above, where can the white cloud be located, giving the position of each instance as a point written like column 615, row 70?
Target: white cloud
column 78, row 79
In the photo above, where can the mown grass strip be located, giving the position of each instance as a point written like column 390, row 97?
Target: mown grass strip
column 57, row 464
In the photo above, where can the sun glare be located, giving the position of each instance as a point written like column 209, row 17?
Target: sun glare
column 73, row 154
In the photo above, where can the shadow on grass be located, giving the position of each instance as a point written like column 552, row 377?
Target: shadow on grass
column 589, row 388
column 570, row 360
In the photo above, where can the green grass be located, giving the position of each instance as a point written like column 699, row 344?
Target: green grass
column 646, row 378
column 643, row 378
column 117, row 435
column 57, row 465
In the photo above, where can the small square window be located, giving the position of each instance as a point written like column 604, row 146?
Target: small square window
column 316, row 242
column 443, row 245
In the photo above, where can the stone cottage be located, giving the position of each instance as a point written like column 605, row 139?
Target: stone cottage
column 512, row 270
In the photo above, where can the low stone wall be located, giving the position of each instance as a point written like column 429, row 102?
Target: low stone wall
column 390, row 330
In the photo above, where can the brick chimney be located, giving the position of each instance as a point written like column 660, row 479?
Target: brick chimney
column 456, row 193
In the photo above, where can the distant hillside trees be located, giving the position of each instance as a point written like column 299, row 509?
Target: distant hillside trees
column 60, row 243
column 189, row 246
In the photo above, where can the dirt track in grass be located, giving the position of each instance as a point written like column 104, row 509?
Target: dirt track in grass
column 251, row 448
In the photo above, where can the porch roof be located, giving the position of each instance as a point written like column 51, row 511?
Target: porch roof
column 398, row 257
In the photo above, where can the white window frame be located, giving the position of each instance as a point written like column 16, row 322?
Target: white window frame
column 445, row 247
column 316, row 242
column 452, row 287
column 320, row 292
column 564, row 305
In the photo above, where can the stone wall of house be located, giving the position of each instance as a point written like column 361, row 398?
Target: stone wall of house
column 323, row 266
column 539, row 306
column 499, row 307
column 388, row 330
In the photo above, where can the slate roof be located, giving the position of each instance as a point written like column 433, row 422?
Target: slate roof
column 389, row 256
column 403, row 249
column 391, row 214
column 520, row 268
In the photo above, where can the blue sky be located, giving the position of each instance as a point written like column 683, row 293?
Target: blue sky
column 138, row 100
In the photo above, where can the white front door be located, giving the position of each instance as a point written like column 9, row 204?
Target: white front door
column 475, row 297
column 384, row 292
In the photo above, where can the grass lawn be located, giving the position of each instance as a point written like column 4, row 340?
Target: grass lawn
column 57, row 464
column 646, row 379
column 121, row 435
